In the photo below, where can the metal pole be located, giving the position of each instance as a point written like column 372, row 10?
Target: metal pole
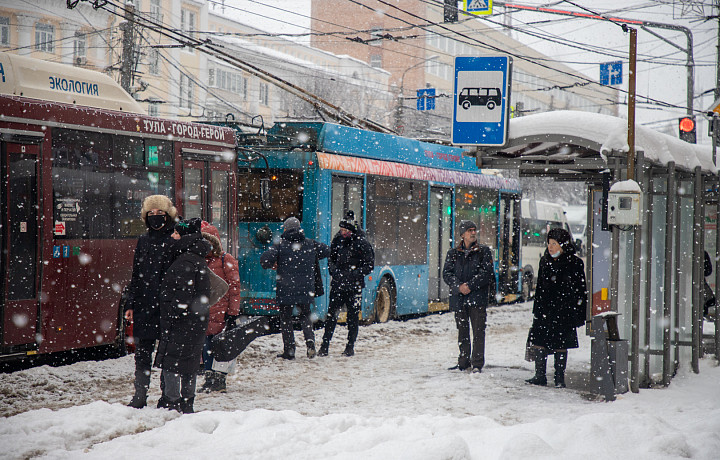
column 669, row 250
column 631, row 105
column 635, row 306
column 126, row 67
column 696, row 274
column 647, row 254
column 676, row 301
column 717, row 279
column 615, row 255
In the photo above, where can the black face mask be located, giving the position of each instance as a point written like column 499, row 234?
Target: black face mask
column 156, row 222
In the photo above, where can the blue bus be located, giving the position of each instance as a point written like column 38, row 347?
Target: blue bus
column 406, row 194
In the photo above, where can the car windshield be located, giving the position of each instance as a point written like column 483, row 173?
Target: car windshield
column 577, row 229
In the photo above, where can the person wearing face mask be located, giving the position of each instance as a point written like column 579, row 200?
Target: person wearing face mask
column 351, row 260
column 153, row 256
column 560, row 307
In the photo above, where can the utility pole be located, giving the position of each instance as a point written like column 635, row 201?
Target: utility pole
column 127, row 65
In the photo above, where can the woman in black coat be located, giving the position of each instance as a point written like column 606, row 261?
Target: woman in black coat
column 184, row 315
column 153, row 256
column 560, row 306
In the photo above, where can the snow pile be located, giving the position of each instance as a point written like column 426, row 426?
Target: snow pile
column 394, row 399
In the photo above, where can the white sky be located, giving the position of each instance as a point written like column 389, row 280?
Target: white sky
column 395, row 399
column 664, row 81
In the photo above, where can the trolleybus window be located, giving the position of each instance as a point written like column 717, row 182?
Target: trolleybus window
column 397, row 220
column 480, row 206
column 286, row 196
column 85, row 179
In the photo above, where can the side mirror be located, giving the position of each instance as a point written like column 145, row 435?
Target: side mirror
column 264, row 235
column 265, row 200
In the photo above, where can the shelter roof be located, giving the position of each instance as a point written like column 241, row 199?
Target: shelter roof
column 583, row 141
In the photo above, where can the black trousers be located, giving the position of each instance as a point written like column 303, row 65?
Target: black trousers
column 351, row 300
column 143, row 363
column 286, row 325
column 465, row 319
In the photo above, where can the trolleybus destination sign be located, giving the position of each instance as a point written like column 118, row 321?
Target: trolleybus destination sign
column 482, row 100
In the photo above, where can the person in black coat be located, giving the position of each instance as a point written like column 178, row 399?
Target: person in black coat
column 560, row 306
column 469, row 272
column 184, row 315
column 351, row 260
column 294, row 258
column 153, row 257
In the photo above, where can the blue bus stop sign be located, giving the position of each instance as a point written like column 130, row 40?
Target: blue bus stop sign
column 426, row 99
column 482, row 100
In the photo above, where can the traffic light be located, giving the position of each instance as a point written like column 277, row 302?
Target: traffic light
column 687, row 129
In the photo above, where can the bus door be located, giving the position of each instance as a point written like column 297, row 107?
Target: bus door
column 440, row 238
column 208, row 188
column 19, row 196
column 509, row 245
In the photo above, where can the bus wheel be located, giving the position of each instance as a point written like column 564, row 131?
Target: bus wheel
column 490, row 105
column 384, row 302
column 466, row 105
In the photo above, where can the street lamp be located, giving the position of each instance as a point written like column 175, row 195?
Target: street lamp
column 399, row 107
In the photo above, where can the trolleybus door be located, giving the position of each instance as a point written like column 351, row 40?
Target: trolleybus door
column 19, row 261
column 509, row 244
column 439, row 240
column 207, row 188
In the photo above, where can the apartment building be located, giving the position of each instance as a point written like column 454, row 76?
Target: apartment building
column 172, row 80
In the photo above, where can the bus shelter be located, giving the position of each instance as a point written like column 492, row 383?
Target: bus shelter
column 651, row 274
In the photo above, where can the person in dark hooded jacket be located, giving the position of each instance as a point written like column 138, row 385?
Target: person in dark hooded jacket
column 153, row 256
column 468, row 271
column 351, row 260
column 560, row 306
column 184, row 313
column 294, row 259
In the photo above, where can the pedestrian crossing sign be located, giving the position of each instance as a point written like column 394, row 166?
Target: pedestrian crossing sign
column 477, row 6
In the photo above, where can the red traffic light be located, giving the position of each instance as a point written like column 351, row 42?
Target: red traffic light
column 687, row 124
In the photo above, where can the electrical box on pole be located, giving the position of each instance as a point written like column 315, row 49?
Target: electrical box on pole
column 450, row 13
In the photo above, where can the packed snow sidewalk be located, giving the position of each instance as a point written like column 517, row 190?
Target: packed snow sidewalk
column 394, row 399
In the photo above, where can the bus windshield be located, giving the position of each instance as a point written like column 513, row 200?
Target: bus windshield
column 286, row 195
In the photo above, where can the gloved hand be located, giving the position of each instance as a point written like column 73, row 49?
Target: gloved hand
column 231, row 321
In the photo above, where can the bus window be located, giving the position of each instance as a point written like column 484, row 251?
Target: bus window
column 286, row 191
column 480, row 206
column 397, row 220
column 347, row 195
column 85, row 180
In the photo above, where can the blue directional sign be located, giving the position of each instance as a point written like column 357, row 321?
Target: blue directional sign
column 611, row 73
column 426, row 99
column 482, row 100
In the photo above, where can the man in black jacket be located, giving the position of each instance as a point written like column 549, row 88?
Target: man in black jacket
column 351, row 260
column 294, row 260
column 184, row 313
column 469, row 271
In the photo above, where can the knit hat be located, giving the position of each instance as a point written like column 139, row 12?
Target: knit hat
column 186, row 227
column 349, row 222
column 563, row 238
column 160, row 202
column 466, row 225
column 291, row 223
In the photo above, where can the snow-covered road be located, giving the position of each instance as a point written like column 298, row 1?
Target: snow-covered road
column 394, row 399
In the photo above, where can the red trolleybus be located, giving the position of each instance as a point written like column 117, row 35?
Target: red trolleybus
column 77, row 157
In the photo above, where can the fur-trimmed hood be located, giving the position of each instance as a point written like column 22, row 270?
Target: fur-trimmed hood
column 158, row 202
column 216, row 246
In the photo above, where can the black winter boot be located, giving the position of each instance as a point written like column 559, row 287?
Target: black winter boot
column 138, row 401
column 209, row 382
column 310, row 349
column 218, row 383
column 324, row 349
column 540, row 365
column 560, row 364
column 288, row 354
column 349, row 350
column 186, row 405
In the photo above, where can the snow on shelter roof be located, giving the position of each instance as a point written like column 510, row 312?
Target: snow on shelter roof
column 602, row 134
